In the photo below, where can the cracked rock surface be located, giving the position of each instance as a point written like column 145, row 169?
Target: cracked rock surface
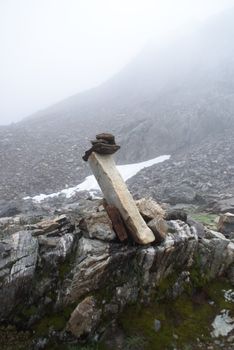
column 57, row 263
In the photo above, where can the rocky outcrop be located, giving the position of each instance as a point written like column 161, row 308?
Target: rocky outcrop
column 18, row 258
column 69, row 265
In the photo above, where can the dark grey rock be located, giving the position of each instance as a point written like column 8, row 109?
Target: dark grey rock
column 197, row 225
column 176, row 214
column 9, row 209
column 98, row 226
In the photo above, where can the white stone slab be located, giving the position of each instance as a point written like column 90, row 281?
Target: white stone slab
column 117, row 194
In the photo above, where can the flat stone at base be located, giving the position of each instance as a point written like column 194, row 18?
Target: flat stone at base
column 159, row 228
column 116, row 194
column 117, row 221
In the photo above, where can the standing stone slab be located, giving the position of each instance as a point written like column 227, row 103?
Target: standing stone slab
column 116, row 193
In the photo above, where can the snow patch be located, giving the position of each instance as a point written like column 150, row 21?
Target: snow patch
column 223, row 324
column 229, row 295
column 90, row 184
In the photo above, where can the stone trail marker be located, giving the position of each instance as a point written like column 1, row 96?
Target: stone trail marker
column 114, row 188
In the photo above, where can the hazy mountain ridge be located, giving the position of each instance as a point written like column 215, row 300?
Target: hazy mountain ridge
column 165, row 101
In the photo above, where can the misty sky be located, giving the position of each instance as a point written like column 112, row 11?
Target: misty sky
column 52, row 49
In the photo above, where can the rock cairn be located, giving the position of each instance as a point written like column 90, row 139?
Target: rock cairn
column 120, row 205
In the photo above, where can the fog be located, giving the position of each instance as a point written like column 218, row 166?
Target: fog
column 52, row 49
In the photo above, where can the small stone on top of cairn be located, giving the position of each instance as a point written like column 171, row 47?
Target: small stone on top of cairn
column 104, row 144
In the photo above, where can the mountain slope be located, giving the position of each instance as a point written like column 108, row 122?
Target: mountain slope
column 165, row 101
column 204, row 175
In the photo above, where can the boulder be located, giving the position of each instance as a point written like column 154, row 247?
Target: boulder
column 98, row 226
column 85, row 318
column 159, row 227
column 149, row 209
column 226, row 223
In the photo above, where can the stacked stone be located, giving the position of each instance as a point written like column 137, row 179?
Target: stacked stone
column 104, row 144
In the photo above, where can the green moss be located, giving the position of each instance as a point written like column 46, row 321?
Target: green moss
column 215, row 291
column 84, row 347
column 165, row 285
column 182, row 320
column 200, row 274
column 103, row 294
column 56, row 321
column 30, row 311
column 206, row 219
column 64, row 269
column 12, row 339
column 134, row 342
column 88, row 346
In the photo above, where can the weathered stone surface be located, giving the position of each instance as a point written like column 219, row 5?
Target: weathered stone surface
column 226, row 223
column 99, row 226
column 93, row 257
column 197, row 225
column 149, row 209
column 84, row 318
column 17, row 268
column 67, row 271
column 54, row 250
column 159, row 227
column 117, row 222
column 49, row 225
column 116, row 193
column 216, row 254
